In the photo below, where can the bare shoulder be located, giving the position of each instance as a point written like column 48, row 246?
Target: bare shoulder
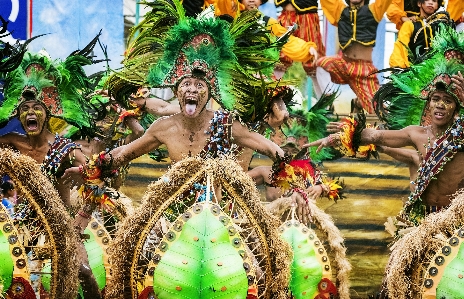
column 12, row 139
column 163, row 122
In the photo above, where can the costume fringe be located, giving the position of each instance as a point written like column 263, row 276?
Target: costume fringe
column 127, row 243
column 333, row 236
column 44, row 199
column 412, row 253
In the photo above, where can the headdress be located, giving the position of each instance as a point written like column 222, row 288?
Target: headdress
column 233, row 58
column 402, row 101
column 450, row 43
column 58, row 86
column 10, row 55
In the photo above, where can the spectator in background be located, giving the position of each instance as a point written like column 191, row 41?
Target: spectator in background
column 8, row 196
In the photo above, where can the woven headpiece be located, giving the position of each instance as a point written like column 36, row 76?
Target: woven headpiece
column 425, row 78
column 58, row 86
column 232, row 57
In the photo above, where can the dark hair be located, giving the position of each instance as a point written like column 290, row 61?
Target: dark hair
column 414, row 2
column 262, row 1
column 366, row 2
column 7, row 186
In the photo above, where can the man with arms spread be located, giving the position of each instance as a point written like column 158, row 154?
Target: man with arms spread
column 440, row 144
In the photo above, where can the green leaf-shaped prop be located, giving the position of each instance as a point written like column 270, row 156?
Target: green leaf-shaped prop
column 310, row 271
column 202, row 256
column 445, row 276
column 95, row 247
column 6, row 265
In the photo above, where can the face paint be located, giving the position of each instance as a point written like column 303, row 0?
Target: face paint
column 32, row 117
column 193, row 95
column 442, row 107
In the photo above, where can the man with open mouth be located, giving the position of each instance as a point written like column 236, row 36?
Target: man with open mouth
column 35, row 93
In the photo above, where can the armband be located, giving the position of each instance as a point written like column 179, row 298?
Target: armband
column 288, row 173
column 350, row 138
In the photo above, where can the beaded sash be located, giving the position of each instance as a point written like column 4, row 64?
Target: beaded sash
column 442, row 151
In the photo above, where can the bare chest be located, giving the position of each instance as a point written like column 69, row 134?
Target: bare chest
column 447, row 182
column 183, row 143
column 38, row 154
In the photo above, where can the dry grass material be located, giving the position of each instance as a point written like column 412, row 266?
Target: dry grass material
column 412, row 253
column 338, row 250
column 45, row 201
column 160, row 194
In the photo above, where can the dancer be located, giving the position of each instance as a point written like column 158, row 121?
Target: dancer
column 305, row 50
column 36, row 92
column 441, row 84
column 354, row 65
column 416, row 37
column 401, row 11
column 304, row 15
column 197, row 63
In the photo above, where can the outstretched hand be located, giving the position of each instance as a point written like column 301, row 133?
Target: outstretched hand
column 321, row 143
column 314, row 191
column 313, row 52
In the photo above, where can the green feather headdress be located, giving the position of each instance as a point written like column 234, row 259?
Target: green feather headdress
column 169, row 46
column 203, row 46
column 59, row 86
column 449, row 42
column 422, row 79
column 401, row 102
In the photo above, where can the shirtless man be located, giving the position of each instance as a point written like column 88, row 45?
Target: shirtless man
column 37, row 144
column 185, row 133
column 431, row 142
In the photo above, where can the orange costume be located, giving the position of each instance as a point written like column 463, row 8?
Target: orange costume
column 416, row 37
column 307, row 19
column 399, row 9
column 296, row 48
column 357, row 73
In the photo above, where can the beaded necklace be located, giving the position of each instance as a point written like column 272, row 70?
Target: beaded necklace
column 443, row 150
column 220, row 139
column 59, row 149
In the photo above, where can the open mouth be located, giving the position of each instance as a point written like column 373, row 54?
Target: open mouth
column 190, row 106
column 439, row 115
column 32, row 124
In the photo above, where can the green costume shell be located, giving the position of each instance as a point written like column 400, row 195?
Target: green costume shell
column 445, row 275
column 311, row 272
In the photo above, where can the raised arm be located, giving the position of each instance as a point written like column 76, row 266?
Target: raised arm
column 396, row 13
column 333, row 10
column 391, row 138
column 378, row 8
column 399, row 57
column 252, row 140
column 296, row 48
column 124, row 154
column 157, row 107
